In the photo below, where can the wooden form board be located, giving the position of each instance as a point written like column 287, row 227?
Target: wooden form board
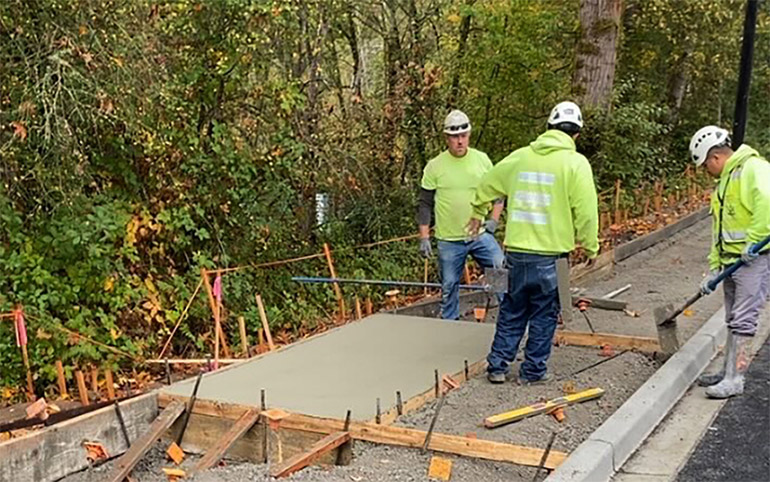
column 384, row 434
column 139, row 447
column 314, row 453
column 55, row 452
column 601, row 303
column 579, row 338
column 218, row 450
column 637, row 245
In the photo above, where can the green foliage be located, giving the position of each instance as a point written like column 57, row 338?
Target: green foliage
column 141, row 141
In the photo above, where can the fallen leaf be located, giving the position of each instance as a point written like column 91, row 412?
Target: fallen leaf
column 19, row 130
column 688, row 312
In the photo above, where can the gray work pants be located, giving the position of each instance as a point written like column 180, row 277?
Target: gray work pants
column 746, row 292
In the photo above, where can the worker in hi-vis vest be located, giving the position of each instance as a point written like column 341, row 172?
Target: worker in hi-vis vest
column 740, row 210
column 551, row 202
column 448, row 185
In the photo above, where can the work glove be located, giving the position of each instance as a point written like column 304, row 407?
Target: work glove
column 704, row 286
column 747, row 256
column 490, row 226
column 425, row 250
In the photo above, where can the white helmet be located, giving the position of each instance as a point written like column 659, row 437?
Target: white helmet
column 566, row 112
column 456, row 122
column 703, row 140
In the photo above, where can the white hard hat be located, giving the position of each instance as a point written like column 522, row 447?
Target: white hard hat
column 703, row 140
column 456, row 122
column 566, row 112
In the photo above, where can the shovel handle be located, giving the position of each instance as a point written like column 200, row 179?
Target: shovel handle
column 756, row 248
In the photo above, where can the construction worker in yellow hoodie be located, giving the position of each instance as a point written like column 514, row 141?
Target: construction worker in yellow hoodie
column 740, row 209
column 551, row 203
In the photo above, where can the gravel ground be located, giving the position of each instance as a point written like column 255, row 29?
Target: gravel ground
column 667, row 273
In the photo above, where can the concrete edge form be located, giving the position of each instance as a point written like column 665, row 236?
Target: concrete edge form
column 637, row 245
column 635, row 420
column 55, row 452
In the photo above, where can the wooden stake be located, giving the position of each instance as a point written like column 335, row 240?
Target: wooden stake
column 369, row 307
column 467, row 274
column 215, row 312
column 95, row 382
column 265, row 323
column 82, row 391
column 359, row 314
column 337, row 289
column 617, row 201
column 110, row 384
column 30, row 386
column 61, row 380
column 244, row 340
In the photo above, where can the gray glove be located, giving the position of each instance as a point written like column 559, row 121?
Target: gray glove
column 425, row 250
column 704, row 286
column 747, row 256
column 490, row 226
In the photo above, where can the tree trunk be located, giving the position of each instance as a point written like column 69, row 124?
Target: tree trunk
column 465, row 29
column 597, row 52
column 677, row 86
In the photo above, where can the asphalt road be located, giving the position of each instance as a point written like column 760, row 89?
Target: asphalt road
column 736, row 447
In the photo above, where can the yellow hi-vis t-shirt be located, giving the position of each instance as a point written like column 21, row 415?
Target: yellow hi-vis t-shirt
column 454, row 179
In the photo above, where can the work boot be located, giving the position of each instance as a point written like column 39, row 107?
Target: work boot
column 544, row 379
column 708, row 379
column 736, row 365
column 497, row 378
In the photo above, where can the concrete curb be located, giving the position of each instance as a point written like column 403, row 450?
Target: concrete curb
column 605, row 450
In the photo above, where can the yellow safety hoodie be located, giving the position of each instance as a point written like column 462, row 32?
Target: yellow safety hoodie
column 551, row 197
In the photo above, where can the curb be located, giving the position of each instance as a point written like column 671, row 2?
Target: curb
column 609, row 446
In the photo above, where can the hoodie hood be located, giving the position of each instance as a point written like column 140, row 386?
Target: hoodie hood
column 740, row 155
column 552, row 140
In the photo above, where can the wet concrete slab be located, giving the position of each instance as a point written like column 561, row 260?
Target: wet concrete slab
column 348, row 368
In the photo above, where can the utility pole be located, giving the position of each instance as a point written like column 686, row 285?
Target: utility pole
column 744, row 79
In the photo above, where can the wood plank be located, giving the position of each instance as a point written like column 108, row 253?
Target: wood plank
column 53, row 453
column 384, row 434
column 215, row 454
column 140, row 447
column 580, row 338
column 315, row 452
column 602, row 303
column 637, row 245
column 562, row 277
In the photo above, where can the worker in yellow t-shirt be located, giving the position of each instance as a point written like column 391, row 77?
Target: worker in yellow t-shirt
column 448, row 187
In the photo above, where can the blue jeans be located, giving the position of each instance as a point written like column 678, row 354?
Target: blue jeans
column 451, row 260
column 532, row 301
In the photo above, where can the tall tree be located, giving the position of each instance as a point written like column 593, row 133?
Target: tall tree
column 596, row 54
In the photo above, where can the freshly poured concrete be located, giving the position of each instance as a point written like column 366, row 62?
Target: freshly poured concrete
column 351, row 366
